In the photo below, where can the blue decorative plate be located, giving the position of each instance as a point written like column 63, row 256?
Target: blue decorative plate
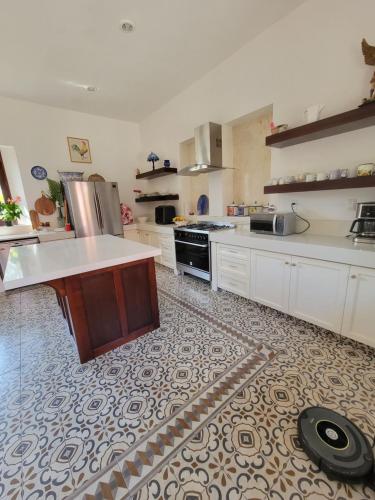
column 39, row 173
column 202, row 205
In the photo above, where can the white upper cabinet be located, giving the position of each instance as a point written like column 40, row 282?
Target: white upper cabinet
column 270, row 279
column 318, row 291
column 359, row 317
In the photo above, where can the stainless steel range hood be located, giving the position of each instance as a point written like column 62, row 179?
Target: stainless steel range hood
column 208, row 151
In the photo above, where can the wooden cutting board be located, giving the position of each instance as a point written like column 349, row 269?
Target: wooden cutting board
column 44, row 205
column 34, row 217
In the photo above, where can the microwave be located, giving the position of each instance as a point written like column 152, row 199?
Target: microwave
column 164, row 214
column 280, row 224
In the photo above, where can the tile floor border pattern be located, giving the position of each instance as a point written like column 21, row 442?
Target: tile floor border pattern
column 220, row 325
column 130, row 469
column 237, row 334
column 138, row 464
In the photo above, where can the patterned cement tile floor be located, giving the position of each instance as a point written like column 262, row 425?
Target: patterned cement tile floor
column 199, row 409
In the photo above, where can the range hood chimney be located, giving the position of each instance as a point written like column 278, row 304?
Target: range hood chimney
column 208, row 151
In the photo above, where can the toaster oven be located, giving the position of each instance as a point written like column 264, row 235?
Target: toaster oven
column 280, row 224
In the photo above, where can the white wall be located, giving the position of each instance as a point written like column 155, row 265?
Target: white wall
column 38, row 135
column 12, row 170
column 311, row 56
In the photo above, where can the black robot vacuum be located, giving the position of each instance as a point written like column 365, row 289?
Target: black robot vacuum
column 336, row 445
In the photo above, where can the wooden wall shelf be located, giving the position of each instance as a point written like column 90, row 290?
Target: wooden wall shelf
column 346, row 183
column 158, row 172
column 160, row 197
column 333, row 125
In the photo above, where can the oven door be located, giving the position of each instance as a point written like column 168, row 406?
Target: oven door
column 263, row 226
column 196, row 255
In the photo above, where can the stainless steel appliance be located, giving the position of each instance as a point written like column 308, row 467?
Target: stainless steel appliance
column 164, row 214
column 94, row 208
column 208, row 151
column 280, row 224
column 192, row 243
column 363, row 227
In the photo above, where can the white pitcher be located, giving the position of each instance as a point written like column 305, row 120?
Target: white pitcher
column 312, row 113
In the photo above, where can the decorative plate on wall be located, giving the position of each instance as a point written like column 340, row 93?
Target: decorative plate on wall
column 39, row 173
column 202, row 205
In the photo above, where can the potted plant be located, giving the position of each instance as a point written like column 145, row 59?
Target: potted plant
column 10, row 211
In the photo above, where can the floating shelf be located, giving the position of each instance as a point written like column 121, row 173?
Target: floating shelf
column 345, row 183
column 158, row 172
column 333, row 125
column 159, row 197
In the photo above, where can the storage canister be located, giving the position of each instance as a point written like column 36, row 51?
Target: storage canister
column 243, row 210
column 232, row 210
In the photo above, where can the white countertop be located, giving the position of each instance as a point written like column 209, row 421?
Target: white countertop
column 18, row 236
column 168, row 228
column 47, row 235
column 151, row 226
column 331, row 248
column 32, row 264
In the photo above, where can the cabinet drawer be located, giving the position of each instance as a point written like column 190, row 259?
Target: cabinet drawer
column 233, row 253
column 235, row 283
column 231, row 265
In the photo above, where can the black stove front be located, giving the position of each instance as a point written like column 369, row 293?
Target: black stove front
column 193, row 252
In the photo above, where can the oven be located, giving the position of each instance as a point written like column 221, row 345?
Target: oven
column 193, row 253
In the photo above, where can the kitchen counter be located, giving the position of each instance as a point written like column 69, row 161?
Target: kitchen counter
column 43, row 236
column 17, row 236
column 32, row 264
column 168, row 228
column 105, row 286
column 330, row 248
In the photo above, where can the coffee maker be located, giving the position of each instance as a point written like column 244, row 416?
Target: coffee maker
column 363, row 226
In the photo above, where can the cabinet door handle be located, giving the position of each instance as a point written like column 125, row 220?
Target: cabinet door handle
column 287, row 263
column 294, row 265
column 353, row 276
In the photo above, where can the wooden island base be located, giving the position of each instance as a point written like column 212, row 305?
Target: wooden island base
column 109, row 307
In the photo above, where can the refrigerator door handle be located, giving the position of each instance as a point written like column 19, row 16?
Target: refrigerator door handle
column 99, row 210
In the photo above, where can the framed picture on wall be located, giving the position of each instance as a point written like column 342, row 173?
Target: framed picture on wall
column 79, row 150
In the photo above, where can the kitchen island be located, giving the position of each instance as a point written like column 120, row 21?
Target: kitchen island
column 105, row 285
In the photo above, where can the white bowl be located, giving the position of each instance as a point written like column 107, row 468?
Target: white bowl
column 142, row 220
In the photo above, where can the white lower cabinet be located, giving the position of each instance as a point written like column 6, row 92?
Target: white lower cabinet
column 163, row 241
column 318, row 291
column 359, row 316
column 338, row 297
column 233, row 268
column 145, row 237
column 168, row 253
column 270, row 279
column 131, row 234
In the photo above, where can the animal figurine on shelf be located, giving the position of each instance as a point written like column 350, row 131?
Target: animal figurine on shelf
column 369, row 54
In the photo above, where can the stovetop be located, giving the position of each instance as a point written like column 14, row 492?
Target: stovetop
column 205, row 227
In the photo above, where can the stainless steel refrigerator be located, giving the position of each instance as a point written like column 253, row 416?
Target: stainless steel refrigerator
column 94, row 208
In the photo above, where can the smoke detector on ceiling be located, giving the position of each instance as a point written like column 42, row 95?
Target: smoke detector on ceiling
column 127, row 26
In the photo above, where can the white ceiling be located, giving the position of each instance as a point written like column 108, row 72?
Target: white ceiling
column 44, row 44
